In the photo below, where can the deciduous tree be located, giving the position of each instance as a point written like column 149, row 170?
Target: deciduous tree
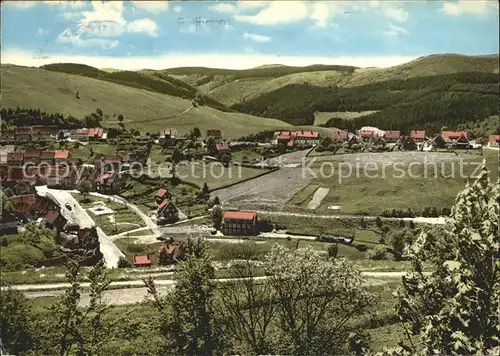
column 455, row 309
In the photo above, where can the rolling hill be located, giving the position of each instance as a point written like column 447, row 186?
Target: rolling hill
column 232, row 86
column 145, row 110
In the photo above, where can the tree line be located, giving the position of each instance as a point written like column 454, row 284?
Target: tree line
column 30, row 117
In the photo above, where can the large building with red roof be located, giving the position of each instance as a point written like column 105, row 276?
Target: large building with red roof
column 240, row 223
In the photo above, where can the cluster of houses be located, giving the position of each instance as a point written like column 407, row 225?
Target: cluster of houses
column 296, row 138
column 27, row 204
column 167, row 212
column 55, row 169
column 26, row 134
column 168, row 253
column 414, row 140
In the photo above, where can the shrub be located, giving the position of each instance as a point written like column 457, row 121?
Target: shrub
column 378, row 222
column 123, row 263
column 333, row 250
column 379, row 252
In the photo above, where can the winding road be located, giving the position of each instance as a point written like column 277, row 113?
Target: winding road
column 79, row 216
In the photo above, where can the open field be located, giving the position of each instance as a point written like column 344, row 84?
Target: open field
column 147, row 111
column 427, row 183
column 270, row 191
column 323, row 117
column 214, row 173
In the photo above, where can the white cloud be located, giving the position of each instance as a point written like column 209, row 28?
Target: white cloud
column 320, row 15
column 72, row 16
column 172, row 60
column 277, row 12
column 42, row 32
column 67, row 4
column 153, row 7
column 257, row 38
column 251, row 4
column 398, row 14
column 395, row 31
column 143, row 26
column 105, row 19
column 77, row 40
column 177, row 8
column 476, row 7
column 19, row 5
column 223, row 7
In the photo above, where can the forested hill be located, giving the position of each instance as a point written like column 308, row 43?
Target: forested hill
column 148, row 80
column 402, row 104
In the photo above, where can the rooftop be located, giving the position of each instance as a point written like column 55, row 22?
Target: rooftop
column 240, row 215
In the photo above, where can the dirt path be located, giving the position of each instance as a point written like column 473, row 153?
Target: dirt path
column 135, row 292
column 317, row 198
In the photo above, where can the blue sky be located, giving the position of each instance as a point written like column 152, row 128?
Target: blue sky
column 242, row 34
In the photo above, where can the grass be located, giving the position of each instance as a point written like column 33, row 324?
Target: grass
column 142, row 194
column 323, row 117
column 147, row 232
column 129, row 245
column 362, row 194
column 125, row 218
column 302, row 198
column 83, row 151
column 144, row 110
column 245, row 156
column 19, row 255
column 215, row 174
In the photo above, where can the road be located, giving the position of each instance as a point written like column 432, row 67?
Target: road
column 130, row 292
column 421, row 220
column 79, row 216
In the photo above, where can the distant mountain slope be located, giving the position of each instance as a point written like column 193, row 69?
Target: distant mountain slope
column 231, row 87
column 147, row 80
column 430, row 101
column 53, row 91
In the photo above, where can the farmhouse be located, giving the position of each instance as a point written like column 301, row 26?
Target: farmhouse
column 493, row 140
column 167, row 138
column 32, row 157
column 457, row 139
column 341, row 135
column 214, row 133
column 61, row 156
column 162, row 194
column 142, row 261
column 366, row 134
column 417, row 135
column 108, row 183
column 222, row 148
column 392, row 136
column 170, row 253
column 306, row 137
column 15, row 158
column 239, row 223
column 167, row 211
column 47, row 157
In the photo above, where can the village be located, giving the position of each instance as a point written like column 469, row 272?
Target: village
column 27, row 175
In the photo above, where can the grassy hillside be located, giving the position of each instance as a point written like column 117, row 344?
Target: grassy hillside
column 402, row 104
column 148, row 80
column 231, row 87
column 53, row 91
